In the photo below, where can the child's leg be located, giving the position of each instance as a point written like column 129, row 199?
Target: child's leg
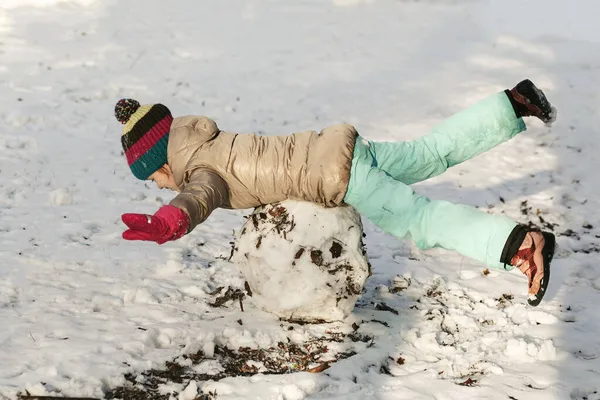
column 398, row 210
column 464, row 135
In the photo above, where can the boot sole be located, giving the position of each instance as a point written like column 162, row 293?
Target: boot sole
column 548, row 254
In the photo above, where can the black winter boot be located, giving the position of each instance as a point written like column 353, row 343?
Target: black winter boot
column 529, row 101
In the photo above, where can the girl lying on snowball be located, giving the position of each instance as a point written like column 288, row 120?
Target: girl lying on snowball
column 211, row 168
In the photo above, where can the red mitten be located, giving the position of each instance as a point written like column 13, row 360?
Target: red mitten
column 169, row 223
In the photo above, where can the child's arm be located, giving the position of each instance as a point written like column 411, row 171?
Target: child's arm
column 204, row 191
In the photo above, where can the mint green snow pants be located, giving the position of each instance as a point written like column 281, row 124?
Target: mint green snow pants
column 382, row 171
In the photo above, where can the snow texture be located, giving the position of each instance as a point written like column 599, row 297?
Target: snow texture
column 303, row 262
column 81, row 309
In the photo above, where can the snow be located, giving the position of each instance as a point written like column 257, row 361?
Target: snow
column 302, row 261
column 79, row 307
column 190, row 392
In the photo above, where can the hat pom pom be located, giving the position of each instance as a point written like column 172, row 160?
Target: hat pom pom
column 125, row 109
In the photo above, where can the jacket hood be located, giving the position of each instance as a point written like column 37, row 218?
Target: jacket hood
column 187, row 136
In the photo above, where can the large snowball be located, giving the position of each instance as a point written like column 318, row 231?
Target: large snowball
column 302, row 261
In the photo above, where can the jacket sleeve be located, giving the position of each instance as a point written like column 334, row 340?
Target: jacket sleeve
column 204, row 191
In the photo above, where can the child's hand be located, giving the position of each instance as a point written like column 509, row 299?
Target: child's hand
column 169, row 223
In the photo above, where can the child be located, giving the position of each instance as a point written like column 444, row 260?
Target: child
column 211, row 168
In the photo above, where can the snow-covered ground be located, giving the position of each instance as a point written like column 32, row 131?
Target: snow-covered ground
column 79, row 307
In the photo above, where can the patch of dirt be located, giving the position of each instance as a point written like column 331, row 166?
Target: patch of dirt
column 469, row 382
column 247, row 288
column 281, row 220
column 384, row 307
column 351, row 287
column 433, row 291
column 592, row 248
column 505, row 300
column 299, row 253
column 316, row 256
column 336, row 249
column 399, row 284
column 364, row 251
column 284, row 358
column 27, row 396
column 230, row 294
column 570, row 233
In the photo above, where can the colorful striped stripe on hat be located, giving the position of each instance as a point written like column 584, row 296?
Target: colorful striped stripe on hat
column 145, row 135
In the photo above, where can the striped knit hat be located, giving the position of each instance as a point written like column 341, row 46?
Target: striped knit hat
column 145, row 135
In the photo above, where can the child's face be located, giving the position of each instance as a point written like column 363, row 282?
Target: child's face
column 164, row 178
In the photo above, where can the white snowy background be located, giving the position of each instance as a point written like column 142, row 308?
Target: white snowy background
column 79, row 307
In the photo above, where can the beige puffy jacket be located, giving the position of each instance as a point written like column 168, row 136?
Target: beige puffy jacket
column 215, row 169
